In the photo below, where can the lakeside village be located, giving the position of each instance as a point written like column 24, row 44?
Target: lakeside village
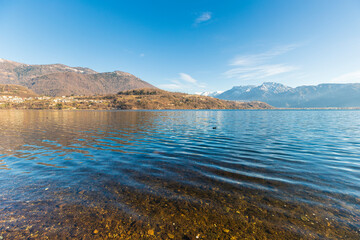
column 16, row 99
column 51, row 102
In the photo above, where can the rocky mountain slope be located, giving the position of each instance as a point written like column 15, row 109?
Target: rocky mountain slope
column 70, row 83
column 59, row 79
column 279, row 95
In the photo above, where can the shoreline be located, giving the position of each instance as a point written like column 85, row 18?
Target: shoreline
column 178, row 109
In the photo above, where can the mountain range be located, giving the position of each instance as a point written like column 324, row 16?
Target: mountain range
column 279, row 95
column 59, row 79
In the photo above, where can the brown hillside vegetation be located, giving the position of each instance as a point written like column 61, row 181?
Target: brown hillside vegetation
column 59, row 80
column 160, row 99
column 16, row 91
column 147, row 99
column 66, row 84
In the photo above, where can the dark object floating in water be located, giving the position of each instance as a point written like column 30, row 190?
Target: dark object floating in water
column 214, row 127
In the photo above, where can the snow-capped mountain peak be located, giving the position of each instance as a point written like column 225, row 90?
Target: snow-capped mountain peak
column 209, row 94
column 273, row 87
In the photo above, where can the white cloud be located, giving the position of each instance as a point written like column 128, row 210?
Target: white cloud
column 352, row 77
column 184, row 82
column 256, row 66
column 204, row 17
column 187, row 78
column 142, row 55
column 171, row 86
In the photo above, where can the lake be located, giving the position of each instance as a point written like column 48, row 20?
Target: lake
column 267, row 174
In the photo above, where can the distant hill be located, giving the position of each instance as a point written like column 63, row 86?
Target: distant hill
column 132, row 99
column 160, row 99
column 59, row 79
column 16, row 91
column 279, row 95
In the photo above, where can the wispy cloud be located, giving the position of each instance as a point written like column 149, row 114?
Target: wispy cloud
column 257, row 66
column 258, row 72
column 245, row 60
column 184, row 82
column 170, row 86
column 352, row 77
column 204, row 17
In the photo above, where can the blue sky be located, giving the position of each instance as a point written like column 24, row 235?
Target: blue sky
column 190, row 46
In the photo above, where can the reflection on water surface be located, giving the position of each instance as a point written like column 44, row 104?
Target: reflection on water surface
column 170, row 175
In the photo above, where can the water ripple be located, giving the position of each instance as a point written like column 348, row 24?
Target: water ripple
column 301, row 157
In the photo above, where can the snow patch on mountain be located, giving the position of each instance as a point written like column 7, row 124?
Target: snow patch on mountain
column 274, row 87
column 209, row 94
